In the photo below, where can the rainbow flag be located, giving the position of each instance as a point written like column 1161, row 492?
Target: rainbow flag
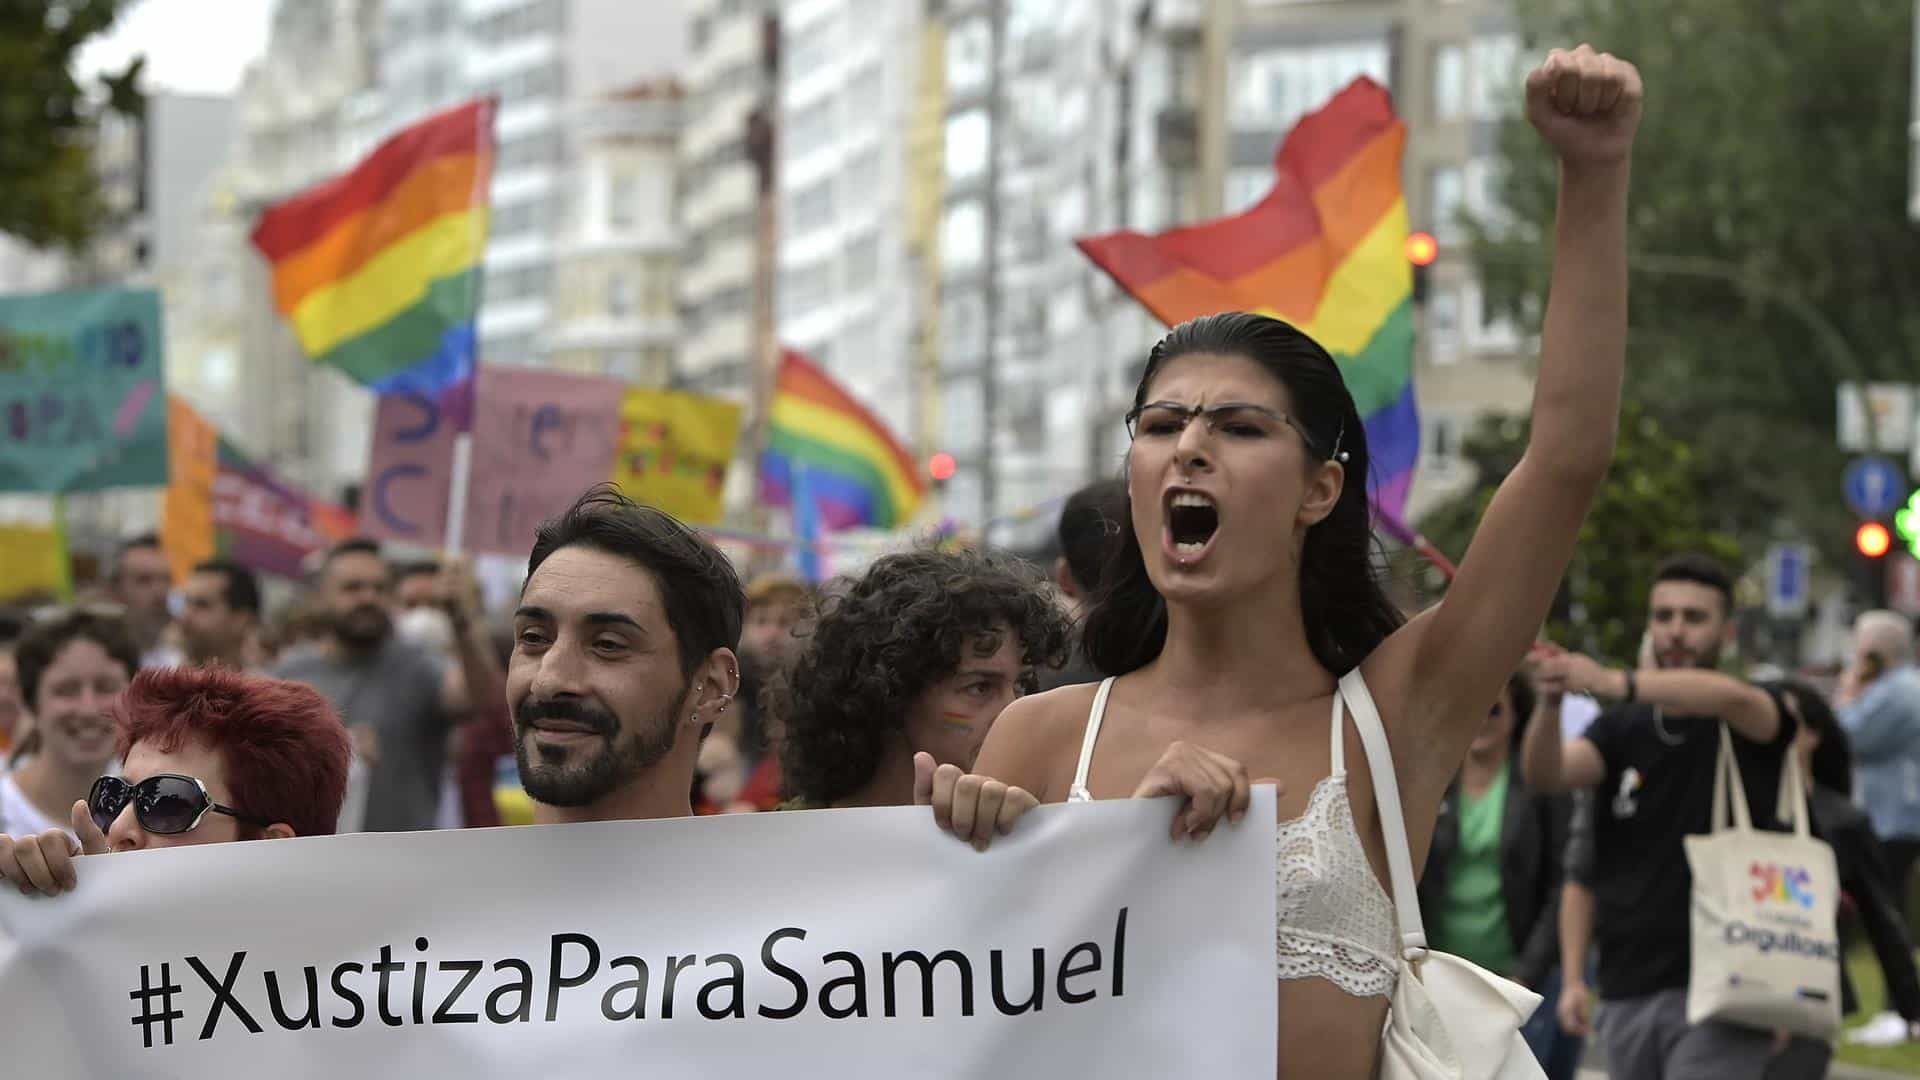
column 378, row 269
column 823, row 446
column 1326, row 251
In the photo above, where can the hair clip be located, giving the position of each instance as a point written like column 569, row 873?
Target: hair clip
column 1339, row 437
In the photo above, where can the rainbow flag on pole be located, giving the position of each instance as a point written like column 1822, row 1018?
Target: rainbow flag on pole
column 1326, row 251
column 825, row 448
column 378, row 269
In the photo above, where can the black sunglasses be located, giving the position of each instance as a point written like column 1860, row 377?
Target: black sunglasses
column 165, row 804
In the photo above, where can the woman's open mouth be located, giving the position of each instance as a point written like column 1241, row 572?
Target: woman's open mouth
column 1192, row 521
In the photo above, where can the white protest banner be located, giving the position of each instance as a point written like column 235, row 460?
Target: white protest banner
column 847, row 944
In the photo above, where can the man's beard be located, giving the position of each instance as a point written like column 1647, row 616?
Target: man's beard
column 1687, row 660
column 567, row 776
column 363, row 627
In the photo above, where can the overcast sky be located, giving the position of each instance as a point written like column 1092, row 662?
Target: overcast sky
column 192, row 46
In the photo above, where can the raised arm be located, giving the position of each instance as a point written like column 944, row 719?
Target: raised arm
column 1746, row 708
column 1586, row 106
column 1549, row 764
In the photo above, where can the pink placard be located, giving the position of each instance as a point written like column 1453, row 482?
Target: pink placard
column 410, row 471
column 540, row 438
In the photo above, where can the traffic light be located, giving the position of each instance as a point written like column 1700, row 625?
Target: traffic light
column 941, row 468
column 1422, row 250
column 1907, row 520
column 1873, row 540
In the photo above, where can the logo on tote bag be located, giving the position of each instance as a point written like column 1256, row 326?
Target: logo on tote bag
column 1778, row 884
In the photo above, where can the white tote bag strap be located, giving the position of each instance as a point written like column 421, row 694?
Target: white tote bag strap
column 1792, row 804
column 1393, row 824
column 1726, row 773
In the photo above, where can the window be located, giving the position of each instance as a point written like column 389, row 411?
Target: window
column 1486, row 327
column 1443, row 326
column 812, row 128
column 963, row 235
column 811, row 207
column 515, row 23
column 805, row 289
column 1449, row 81
column 862, row 263
column 1483, row 179
column 1273, row 88
column 620, row 295
column 518, row 219
column 969, row 54
column 867, row 90
column 1498, row 75
column 623, row 196
column 1445, row 196
column 1247, row 185
column 963, row 414
column 968, row 136
column 811, row 48
column 963, row 327
column 535, row 149
column 1443, row 441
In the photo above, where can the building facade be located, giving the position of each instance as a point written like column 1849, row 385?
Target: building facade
column 1455, row 69
column 615, row 306
column 726, row 198
column 1063, row 120
column 847, row 82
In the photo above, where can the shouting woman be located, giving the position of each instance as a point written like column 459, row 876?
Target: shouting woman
column 1244, row 591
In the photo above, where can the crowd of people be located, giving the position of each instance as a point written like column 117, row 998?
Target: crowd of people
column 1206, row 616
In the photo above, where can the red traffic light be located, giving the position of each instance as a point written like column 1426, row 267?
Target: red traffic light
column 1873, row 540
column 942, row 467
column 1422, row 249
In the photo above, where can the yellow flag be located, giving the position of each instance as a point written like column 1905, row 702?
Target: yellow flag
column 674, row 452
column 33, row 560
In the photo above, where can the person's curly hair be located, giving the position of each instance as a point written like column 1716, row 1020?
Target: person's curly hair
column 882, row 639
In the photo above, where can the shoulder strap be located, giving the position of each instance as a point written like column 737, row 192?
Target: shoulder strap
column 1393, row 824
column 1726, row 773
column 1079, row 791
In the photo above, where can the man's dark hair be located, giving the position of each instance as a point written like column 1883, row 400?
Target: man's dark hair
column 699, row 588
column 242, row 592
column 1697, row 569
column 359, row 545
column 1089, row 530
column 37, row 650
column 143, row 540
column 882, row 639
column 414, row 568
column 13, row 624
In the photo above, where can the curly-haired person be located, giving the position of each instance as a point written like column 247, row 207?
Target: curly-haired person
column 919, row 654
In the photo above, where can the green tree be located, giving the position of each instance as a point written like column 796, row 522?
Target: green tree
column 1770, row 252
column 49, row 191
column 1651, row 507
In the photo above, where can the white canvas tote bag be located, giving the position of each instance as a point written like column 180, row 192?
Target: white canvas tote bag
column 1766, row 948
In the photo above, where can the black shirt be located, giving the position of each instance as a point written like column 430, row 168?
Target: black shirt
column 1658, row 789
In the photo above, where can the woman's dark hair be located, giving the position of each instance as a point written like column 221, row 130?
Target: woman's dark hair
column 882, row 639
column 1832, row 765
column 699, row 589
column 1343, row 606
column 1520, row 693
column 37, row 651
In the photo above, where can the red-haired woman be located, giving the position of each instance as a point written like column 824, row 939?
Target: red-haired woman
column 208, row 756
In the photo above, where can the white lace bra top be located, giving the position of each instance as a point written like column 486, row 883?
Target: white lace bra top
column 1334, row 921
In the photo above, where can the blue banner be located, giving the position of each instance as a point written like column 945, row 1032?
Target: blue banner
column 83, row 401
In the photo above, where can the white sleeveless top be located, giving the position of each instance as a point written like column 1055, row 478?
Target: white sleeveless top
column 1334, row 921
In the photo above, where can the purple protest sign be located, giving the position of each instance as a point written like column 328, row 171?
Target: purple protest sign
column 540, row 438
column 409, row 472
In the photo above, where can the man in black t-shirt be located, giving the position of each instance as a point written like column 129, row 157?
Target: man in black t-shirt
column 1650, row 758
